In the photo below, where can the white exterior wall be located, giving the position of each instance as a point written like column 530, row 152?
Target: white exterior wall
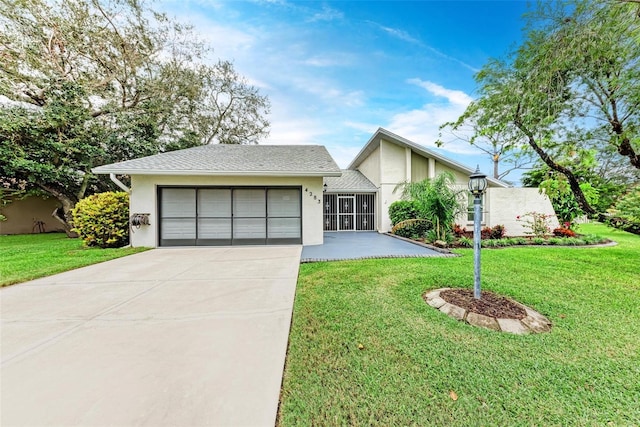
column 144, row 200
column 419, row 168
column 370, row 167
column 393, row 163
column 505, row 204
column 393, row 171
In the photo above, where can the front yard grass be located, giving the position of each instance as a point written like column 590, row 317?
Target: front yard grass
column 421, row 367
column 30, row 256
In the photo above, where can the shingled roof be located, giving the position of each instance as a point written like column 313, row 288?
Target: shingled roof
column 350, row 181
column 219, row 159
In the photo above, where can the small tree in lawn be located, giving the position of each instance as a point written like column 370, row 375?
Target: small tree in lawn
column 438, row 201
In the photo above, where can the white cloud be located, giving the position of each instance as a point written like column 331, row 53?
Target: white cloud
column 366, row 128
column 422, row 125
column 333, row 59
column 327, row 14
column 456, row 97
column 397, row 33
column 331, row 95
column 451, row 58
column 295, row 131
column 344, row 154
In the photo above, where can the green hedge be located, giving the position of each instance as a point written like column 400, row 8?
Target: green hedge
column 405, row 210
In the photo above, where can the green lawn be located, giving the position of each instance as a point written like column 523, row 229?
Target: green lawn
column 586, row 372
column 29, row 256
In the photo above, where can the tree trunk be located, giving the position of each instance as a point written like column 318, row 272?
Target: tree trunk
column 626, row 149
column 496, row 164
column 63, row 214
column 573, row 182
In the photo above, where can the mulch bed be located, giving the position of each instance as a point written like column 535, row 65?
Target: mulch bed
column 489, row 304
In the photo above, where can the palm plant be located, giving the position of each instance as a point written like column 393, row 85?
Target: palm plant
column 438, row 201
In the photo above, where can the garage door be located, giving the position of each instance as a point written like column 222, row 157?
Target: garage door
column 223, row 216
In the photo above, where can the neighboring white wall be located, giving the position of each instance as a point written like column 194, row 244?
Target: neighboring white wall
column 505, row 204
column 23, row 214
column 144, row 200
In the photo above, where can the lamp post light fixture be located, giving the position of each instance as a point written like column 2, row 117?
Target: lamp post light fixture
column 477, row 186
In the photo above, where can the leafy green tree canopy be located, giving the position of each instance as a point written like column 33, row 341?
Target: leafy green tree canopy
column 89, row 82
column 571, row 86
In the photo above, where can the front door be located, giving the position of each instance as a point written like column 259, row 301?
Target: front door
column 346, row 213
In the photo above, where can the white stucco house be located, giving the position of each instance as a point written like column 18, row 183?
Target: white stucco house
column 290, row 194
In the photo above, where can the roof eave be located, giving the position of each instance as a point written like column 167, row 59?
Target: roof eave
column 350, row 190
column 100, row 170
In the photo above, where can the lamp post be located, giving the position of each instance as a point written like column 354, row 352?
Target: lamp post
column 477, row 186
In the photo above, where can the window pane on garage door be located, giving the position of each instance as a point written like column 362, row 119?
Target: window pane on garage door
column 283, row 202
column 283, row 230
column 249, row 203
column 214, row 216
column 179, row 231
column 214, row 203
column 178, row 203
column 214, row 231
column 249, row 231
column 178, row 211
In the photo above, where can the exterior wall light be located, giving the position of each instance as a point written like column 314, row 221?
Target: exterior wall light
column 477, row 187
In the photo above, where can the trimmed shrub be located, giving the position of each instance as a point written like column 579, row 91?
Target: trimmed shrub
column 459, row 231
column 497, row 232
column 406, row 220
column 102, row 219
column 485, row 233
column 564, row 232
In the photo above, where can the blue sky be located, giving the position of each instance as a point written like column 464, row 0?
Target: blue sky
column 335, row 71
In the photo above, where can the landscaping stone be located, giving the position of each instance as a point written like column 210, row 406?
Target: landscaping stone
column 431, row 295
column 436, row 302
column 536, row 325
column 513, row 326
column 533, row 322
column 453, row 311
column 440, row 244
column 535, row 315
column 483, row 321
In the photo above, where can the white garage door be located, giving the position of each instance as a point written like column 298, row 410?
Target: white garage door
column 215, row 216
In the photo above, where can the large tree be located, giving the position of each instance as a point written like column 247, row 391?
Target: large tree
column 89, row 82
column 507, row 151
column 570, row 86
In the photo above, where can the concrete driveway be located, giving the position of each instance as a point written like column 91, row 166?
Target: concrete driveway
column 168, row 337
